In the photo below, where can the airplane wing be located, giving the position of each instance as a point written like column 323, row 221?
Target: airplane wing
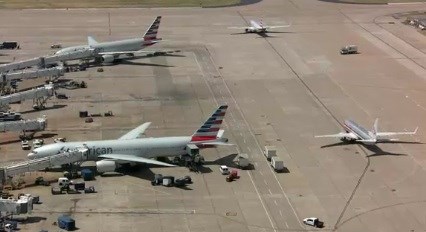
column 135, row 133
column 238, row 28
column 217, row 144
column 396, row 133
column 278, row 26
column 137, row 159
column 340, row 135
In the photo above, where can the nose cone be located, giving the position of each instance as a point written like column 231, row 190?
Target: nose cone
column 31, row 155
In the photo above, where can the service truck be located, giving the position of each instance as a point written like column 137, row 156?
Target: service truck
column 277, row 164
column 242, row 161
column 269, row 152
column 349, row 49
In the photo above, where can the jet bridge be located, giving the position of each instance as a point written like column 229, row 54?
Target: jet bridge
column 30, row 125
column 42, row 62
column 65, row 157
column 38, row 95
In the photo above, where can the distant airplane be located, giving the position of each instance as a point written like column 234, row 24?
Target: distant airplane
column 130, row 148
column 356, row 133
column 258, row 27
column 107, row 52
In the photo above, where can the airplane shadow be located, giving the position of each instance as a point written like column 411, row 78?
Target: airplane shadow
column 128, row 62
column 29, row 220
column 373, row 148
column 142, row 171
column 59, row 106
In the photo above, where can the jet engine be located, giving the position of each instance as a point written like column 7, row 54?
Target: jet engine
column 106, row 166
column 107, row 58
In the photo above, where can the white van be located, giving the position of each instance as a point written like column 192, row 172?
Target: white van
column 224, row 170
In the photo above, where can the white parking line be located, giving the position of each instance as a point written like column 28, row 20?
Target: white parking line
column 281, row 213
column 261, row 173
column 275, row 202
column 269, row 190
column 265, row 181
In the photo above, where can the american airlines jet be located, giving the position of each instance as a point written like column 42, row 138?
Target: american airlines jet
column 107, row 52
column 258, row 27
column 356, row 133
column 131, row 148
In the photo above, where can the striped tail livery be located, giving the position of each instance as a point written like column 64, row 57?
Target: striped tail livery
column 151, row 33
column 210, row 133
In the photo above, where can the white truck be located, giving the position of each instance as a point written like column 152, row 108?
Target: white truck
column 269, row 152
column 242, row 160
column 277, row 164
column 349, row 49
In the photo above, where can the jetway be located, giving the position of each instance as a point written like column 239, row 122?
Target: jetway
column 29, row 74
column 38, row 95
column 30, row 125
column 65, row 157
column 42, row 62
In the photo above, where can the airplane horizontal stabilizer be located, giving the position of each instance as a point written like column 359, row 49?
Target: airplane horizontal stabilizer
column 135, row 133
column 217, row 144
column 340, row 135
column 137, row 159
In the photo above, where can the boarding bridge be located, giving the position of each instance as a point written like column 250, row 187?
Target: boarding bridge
column 30, row 74
column 30, row 125
column 66, row 157
column 42, row 62
column 38, row 95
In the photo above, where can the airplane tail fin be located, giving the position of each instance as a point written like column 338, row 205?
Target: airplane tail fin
column 151, row 33
column 210, row 130
column 91, row 41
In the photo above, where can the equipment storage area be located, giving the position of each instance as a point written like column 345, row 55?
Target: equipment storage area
column 269, row 152
column 277, row 164
column 66, row 223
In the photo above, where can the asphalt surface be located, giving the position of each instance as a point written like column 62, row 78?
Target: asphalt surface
column 281, row 90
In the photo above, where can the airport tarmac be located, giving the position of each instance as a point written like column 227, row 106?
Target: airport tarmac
column 282, row 90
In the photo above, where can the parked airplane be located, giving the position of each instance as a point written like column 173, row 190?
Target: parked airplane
column 356, row 133
column 131, row 148
column 258, row 27
column 107, row 52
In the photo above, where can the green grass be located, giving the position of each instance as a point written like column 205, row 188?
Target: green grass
column 46, row 4
column 380, row 1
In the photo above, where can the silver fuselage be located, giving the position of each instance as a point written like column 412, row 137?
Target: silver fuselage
column 359, row 131
column 114, row 46
column 144, row 147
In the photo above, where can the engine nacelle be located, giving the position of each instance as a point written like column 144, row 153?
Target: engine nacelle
column 107, row 58
column 103, row 166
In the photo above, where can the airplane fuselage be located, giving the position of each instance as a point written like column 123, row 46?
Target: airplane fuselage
column 114, row 46
column 362, row 134
column 256, row 27
column 144, row 147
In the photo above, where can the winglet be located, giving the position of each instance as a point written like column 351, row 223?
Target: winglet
column 415, row 131
column 91, row 41
column 375, row 127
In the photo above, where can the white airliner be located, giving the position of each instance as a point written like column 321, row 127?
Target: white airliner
column 258, row 27
column 356, row 133
column 131, row 148
column 107, row 52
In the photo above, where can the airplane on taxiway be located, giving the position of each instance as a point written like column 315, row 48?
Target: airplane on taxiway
column 356, row 133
